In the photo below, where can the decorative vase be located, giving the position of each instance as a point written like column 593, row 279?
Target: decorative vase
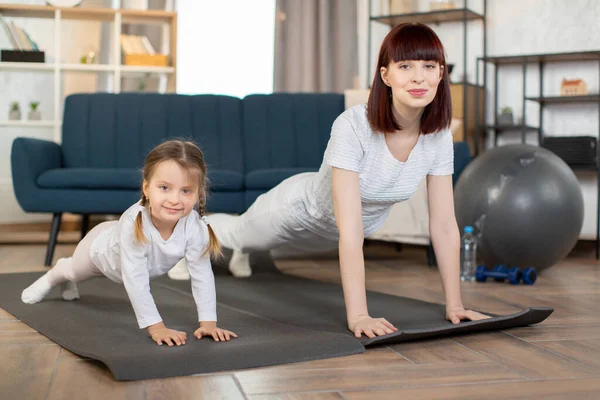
column 14, row 115
column 505, row 119
column 63, row 3
column 34, row 115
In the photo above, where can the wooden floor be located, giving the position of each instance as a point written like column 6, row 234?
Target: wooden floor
column 558, row 359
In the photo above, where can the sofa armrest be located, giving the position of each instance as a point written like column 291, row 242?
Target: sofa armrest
column 462, row 158
column 29, row 158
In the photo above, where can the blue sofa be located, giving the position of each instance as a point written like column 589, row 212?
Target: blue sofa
column 250, row 145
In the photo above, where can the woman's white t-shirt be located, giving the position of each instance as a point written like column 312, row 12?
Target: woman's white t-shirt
column 122, row 260
column 384, row 180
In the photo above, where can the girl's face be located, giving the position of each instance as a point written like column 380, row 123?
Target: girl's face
column 414, row 83
column 172, row 192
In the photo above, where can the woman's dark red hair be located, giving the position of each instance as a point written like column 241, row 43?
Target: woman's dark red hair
column 405, row 42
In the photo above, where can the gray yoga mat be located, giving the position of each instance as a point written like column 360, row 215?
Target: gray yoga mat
column 280, row 319
column 319, row 306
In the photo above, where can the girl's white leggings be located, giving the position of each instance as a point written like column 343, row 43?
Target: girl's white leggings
column 79, row 267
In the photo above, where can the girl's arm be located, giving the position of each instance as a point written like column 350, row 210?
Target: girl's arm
column 136, row 280
column 445, row 237
column 203, row 281
column 201, row 273
column 348, row 214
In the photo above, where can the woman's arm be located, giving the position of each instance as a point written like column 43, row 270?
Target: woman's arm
column 348, row 214
column 445, row 237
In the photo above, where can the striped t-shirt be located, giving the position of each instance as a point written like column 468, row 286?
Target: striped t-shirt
column 384, row 180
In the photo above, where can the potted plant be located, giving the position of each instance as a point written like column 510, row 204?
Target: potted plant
column 34, row 114
column 505, row 117
column 143, row 83
column 15, row 111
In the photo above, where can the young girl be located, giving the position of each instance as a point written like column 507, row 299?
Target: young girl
column 149, row 238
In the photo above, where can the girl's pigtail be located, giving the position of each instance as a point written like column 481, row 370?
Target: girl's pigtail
column 213, row 248
column 138, row 231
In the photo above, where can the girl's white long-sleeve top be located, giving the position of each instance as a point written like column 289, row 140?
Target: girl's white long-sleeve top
column 116, row 253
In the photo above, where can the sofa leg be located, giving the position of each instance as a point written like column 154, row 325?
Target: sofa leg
column 85, row 224
column 55, row 228
column 431, row 259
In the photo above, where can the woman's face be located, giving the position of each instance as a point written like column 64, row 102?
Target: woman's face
column 414, row 83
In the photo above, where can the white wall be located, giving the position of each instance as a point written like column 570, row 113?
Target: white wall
column 525, row 27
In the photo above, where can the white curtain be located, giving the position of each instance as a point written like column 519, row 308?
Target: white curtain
column 316, row 46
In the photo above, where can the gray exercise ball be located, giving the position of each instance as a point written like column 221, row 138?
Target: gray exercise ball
column 526, row 203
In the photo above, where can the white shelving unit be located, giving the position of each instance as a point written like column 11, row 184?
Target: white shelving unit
column 33, row 124
column 118, row 17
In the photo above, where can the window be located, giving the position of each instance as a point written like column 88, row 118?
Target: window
column 225, row 47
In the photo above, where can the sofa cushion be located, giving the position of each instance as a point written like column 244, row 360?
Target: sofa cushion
column 124, row 178
column 265, row 179
column 462, row 157
column 288, row 130
column 91, row 178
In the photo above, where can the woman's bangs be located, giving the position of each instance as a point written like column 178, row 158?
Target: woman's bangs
column 414, row 43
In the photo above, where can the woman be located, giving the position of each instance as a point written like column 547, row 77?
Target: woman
column 377, row 156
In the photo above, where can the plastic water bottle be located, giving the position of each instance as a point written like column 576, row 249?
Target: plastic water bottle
column 478, row 257
column 468, row 255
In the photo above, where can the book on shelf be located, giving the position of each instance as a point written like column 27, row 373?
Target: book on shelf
column 19, row 39
column 137, row 50
column 24, row 49
column 132, row 44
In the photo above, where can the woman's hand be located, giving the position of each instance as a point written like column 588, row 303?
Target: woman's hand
column 161, row 334
column 371, row 327
column 457, row 313
column 209, row 328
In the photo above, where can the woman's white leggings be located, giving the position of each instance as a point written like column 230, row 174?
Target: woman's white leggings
column 268, row 225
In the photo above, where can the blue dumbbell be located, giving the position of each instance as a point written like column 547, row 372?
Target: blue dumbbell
column 500, row 273
column 529, row 276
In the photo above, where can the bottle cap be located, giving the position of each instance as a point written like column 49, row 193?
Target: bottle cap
column 468, row 229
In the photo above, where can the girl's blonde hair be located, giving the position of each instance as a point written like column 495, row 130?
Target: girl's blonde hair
column 190, row 158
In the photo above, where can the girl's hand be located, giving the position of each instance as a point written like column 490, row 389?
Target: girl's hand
column 161, row 334
column 371, row 327
column 457, row 313
column 210, row 329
